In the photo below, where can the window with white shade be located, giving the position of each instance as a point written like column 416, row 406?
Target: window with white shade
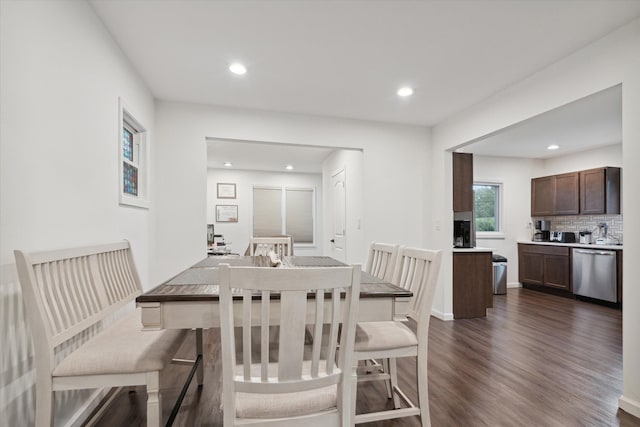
column 267, row 212
column 284, row 210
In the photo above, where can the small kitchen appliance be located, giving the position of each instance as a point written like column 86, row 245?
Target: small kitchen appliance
column 542, row 233
column 563, row 237
column 585, row 237
column 603, row 238
column 462, row 234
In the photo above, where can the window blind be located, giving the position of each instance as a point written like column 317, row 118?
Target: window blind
column 267, row 212
column 299, row 215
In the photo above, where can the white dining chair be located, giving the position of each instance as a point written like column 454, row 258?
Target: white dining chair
column 281, row 245
column 381, row 263
column 416, row 270
column 282, row 382
column 382, row 260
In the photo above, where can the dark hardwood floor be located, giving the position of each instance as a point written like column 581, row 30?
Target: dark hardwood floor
column 535, row 360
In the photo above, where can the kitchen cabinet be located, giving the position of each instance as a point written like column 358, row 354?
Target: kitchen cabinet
column 567, row 197
column 619, row 269
column 588, row 192
column 530, row 267
column 462, row 182
column 472, row 284
column 556, row 195
column 546, row 266
column 600, row 191
column 543, row 194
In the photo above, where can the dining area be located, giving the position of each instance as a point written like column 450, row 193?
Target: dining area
column 284, row 340
column 359, row 319
column 276, row 339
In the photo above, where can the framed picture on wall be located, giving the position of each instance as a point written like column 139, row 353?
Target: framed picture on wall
column 226, row 191
column 226, row 213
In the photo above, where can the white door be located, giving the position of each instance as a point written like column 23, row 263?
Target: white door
column 339, row 198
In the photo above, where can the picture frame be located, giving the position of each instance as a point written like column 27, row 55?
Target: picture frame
column 226, row 190
column 226, row 213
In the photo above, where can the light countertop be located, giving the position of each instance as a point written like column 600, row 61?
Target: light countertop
column 476, row 249
column 574, row 245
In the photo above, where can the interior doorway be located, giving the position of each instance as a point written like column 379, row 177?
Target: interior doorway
column 339, row 217
column 246, row 164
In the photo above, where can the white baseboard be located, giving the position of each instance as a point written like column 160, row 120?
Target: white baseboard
column 514, row 285
column 629, row 405
column 442, row 316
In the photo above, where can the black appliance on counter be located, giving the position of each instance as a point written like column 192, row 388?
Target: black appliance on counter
column 462, row 234
column 542, row 233
column 563, row 237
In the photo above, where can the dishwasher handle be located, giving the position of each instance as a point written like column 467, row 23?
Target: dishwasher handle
column 592, row 252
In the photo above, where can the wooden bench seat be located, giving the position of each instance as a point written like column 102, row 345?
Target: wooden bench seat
column 69, row 291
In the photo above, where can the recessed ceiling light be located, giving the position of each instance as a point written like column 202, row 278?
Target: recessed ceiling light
column 228, row 164
column 553, row 147
column 237, row 68
column 405, row 91
column 289, row 167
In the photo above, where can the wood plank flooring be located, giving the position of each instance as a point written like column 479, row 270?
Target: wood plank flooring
column 535, row 360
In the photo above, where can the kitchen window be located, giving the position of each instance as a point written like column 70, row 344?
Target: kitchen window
column 488, row 209
column 285, row 211
column 134, row 155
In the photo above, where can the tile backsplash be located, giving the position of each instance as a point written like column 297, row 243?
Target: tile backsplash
column 576, row 223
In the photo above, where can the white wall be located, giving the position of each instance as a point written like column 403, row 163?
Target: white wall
column 238, row 234
column 611, row 155
column 352, row 163
column 603, row 64
column 395, row 170
column 60, row 78
column 515, row 176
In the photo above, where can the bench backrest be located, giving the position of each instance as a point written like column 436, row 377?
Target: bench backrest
column 67, row 291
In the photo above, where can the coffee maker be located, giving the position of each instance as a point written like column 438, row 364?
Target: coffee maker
column 462, row 236
column 542, row 231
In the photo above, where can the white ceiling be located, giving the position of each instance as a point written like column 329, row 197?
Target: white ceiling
column 347, row 58
column 588, row 123
column 262, row 156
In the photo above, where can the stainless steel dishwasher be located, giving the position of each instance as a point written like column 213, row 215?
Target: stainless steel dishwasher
column 595, row 274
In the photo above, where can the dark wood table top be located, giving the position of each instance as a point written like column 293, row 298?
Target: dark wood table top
column 200, row 282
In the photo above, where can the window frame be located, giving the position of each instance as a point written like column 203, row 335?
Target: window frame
column 499, row 233
column 283, row 210
column 128, row 121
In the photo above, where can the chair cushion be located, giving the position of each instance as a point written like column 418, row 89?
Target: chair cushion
column 123, row 347
column 385, row 335
column 282, row 405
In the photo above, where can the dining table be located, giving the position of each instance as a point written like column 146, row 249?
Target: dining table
column 190, row 300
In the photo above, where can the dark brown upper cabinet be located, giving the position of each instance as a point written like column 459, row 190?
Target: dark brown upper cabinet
column 600, row 191
column 462, row 182
column 567, row 200
column 543, row 195
column 588, row 192
column 555, row 195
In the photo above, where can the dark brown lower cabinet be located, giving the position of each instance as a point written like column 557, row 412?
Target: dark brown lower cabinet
column 472, row 284
column 547, row 266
